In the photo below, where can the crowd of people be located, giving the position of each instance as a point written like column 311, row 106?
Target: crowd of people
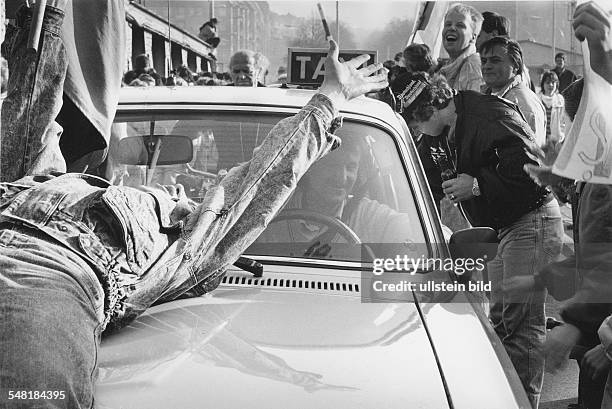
column 477, row 110
column 246, row 67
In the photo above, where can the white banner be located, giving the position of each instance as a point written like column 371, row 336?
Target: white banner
column 428, row 26
column 586, row 153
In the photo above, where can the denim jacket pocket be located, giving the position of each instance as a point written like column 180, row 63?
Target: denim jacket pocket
column 142, row 235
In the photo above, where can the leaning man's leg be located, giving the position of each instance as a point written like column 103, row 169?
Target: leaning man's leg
column 529, row 244
column 51, row 310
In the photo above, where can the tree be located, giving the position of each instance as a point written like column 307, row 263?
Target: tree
column 312, row 35
column 391, row 39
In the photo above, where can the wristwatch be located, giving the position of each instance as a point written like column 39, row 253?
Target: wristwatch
column 475, row 188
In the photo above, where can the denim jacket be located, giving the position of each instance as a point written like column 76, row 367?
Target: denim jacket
column 145, row 246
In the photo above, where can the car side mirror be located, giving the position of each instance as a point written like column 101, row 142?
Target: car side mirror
column 473, row 243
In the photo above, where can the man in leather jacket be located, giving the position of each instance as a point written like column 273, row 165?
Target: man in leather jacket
column 489, row 136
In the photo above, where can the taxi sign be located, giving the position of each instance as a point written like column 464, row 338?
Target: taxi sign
column 306, row 65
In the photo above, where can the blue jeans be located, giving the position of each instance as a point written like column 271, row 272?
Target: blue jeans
column 51, row 311
column 525, row 246
column 29, row 139
column 82, row 265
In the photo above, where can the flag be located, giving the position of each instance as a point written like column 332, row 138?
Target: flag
column 428, row 26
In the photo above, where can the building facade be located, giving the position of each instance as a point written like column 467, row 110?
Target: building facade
column 241, row 24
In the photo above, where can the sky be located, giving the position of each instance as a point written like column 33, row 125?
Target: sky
column 358, row 14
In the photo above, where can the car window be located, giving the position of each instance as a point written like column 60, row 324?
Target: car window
column 358, row 193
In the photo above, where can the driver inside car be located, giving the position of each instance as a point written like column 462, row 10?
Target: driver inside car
column 343, row 186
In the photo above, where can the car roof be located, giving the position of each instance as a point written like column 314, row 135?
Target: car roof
column 261, row 96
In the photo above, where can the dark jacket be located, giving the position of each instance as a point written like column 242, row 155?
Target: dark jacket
column 589, row 270
column 491, row 136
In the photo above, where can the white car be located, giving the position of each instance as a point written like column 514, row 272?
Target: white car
column 311, row 332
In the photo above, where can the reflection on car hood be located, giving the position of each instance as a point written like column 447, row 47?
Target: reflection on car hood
column 270, row 348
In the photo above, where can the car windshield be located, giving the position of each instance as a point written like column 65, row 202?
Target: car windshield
column 358, row 194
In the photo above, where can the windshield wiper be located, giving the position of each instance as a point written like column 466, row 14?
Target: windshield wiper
column 248, row 264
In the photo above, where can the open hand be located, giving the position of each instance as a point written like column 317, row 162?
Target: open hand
column 345, row 80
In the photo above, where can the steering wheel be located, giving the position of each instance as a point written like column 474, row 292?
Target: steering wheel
column 333, row 224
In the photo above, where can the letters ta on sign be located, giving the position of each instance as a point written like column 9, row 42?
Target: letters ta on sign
column 306, row 65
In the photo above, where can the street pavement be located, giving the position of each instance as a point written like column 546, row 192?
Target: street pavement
column 559, row 389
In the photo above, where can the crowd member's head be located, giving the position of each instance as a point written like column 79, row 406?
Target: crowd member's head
column 461, row 28
column 398, row 58
column 281, row 75
column 141, row 63
column 243, row 68
column 549, row 83
column 493, row 25
column 331, row 180
column 417, row 57
column 501, row 61
column 560, row 60
column 425, row 102
column 388, row 64
column 262, row 65
column 185, row 73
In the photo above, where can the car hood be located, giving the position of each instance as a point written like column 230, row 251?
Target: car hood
column 270, row 348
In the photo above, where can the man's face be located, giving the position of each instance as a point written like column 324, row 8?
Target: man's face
column 457, row 33
column 332, row 178
column 243, row 71
column 560, row 62
column 483, row 37
column 497, row 68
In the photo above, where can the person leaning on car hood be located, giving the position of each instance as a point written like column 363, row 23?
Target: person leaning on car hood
column 78, row 256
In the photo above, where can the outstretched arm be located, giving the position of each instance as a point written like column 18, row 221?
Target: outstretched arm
column 234, row 213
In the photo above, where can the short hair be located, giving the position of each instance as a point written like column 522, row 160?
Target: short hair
column 141, row 62
column 493, row 21
column 475, row 16
column 560, row 55
column 549, row 76
column 242, row 54
column 512, row 48
column 417, row 57
column 435, row 94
